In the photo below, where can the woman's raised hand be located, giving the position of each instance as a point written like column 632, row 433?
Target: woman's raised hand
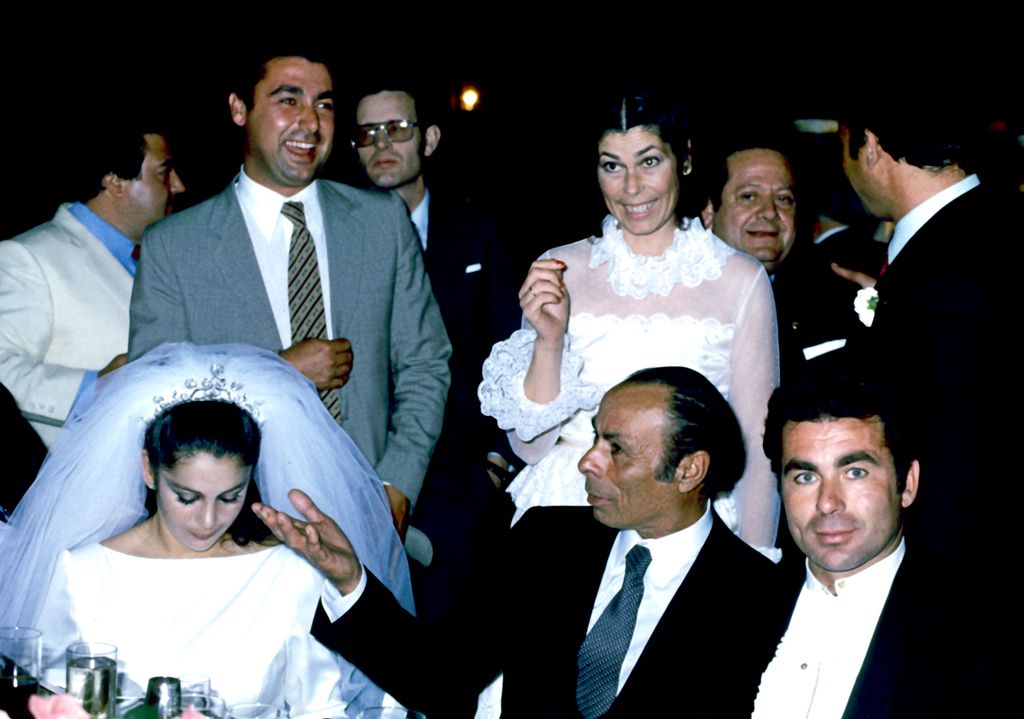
column 545, row 300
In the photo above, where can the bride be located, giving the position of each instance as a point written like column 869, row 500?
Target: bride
column 198, row 585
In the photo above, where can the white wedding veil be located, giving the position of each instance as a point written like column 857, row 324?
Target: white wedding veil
column 90, row 487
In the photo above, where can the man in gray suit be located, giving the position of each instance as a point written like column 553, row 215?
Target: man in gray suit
column 222, row 272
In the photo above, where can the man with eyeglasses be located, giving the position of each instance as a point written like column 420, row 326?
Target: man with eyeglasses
column 474, row 283
column 312, row 269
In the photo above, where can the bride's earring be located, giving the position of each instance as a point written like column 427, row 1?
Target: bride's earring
column 688, row 162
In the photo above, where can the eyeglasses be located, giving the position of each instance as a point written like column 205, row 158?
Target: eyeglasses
column 396, row 131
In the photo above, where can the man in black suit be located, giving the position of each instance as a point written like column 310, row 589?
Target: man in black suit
column 644, row 604
column 473, row 280
column 753, row 208
column 942, row 326
column 872, row 633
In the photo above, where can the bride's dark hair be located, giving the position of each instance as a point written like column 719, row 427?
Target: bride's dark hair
column 219, row 429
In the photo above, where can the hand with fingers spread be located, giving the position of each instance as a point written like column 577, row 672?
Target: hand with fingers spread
column 319, row 539
column 545, row 301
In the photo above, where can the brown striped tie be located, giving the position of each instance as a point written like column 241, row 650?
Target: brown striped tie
column 305, row 298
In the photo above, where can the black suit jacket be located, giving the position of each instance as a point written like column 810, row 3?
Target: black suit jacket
column 813, row 304
column 943, row 337
column 475, row 284
column 459, row 509
column 528, row 616
column 927, row 657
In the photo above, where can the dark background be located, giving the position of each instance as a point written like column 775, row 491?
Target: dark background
column 522, row 154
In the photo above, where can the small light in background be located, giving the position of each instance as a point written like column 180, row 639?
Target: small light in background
column 469, row 98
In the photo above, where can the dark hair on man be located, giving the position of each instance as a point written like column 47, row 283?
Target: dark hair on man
column 118, row 149
column 623, row 110
column 220, row 429
column 829, row 395
column 698, row 418
column 928, row 124
column 426, row 98
column 251, row 66
column 715, row 156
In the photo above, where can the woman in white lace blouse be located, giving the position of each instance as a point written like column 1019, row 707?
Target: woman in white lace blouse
column 654, row 289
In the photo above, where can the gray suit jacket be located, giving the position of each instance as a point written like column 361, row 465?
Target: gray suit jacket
column 199, row 281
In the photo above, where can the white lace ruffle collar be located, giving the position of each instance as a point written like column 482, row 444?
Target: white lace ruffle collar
column 694, row 256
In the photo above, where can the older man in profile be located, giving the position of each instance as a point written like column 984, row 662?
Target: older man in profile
column 644, row 603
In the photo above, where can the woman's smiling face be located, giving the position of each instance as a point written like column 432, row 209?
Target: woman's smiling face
column 637, row 174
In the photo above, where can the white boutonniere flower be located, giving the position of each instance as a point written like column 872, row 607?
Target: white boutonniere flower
column 865, row 303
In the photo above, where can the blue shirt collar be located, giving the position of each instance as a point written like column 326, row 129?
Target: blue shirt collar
column 119, row 244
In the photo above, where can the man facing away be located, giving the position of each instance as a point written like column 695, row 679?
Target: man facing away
column 65, row 285
column 313, row 269
column 643, row 603
column 941, row 333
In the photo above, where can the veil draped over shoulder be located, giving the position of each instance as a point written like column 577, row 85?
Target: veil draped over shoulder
column 90, row 487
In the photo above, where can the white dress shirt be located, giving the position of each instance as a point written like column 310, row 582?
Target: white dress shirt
column 421, row 219
column 914, row 220
column 671, row 559
column 271, row 235
column 817, row 662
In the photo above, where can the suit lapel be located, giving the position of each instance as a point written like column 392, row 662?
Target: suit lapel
column 233, row 255
column 676, row 622
column 872, row 693
column 346, row 255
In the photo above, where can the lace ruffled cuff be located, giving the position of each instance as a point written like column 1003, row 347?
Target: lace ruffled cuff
column 502, row 397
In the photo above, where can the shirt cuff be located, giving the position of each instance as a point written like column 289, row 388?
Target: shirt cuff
column 337, row 604
column 85, row 394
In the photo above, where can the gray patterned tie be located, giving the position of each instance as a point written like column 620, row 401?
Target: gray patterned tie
column 305, row 298
column 601, row 654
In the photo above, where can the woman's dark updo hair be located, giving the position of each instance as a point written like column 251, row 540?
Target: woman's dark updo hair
column 622, row 110
column 219, row 429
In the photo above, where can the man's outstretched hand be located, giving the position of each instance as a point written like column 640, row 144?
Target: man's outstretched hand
column 319, row 539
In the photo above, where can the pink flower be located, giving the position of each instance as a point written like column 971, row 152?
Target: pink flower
column 58, row 706
column 191, row 713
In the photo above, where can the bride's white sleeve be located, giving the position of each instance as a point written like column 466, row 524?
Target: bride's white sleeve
column 317, row 679
column 536, row 426
column 754, row 374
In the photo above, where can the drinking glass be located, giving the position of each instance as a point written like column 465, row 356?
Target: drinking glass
column 209, row 706
column 253, row 710
column 21, row 651
column 194, row 684
column 92, row 677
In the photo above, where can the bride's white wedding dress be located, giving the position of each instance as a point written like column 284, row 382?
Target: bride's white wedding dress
column 242, row 620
